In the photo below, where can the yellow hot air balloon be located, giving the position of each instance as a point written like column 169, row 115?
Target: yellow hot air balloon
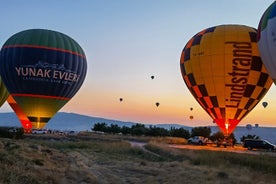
column 223, row 70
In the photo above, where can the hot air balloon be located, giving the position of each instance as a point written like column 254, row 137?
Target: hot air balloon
column 191, row 108
column 42, row 70
column 152, row 77
column 25, row 122
column 191, row 117
column 264, row 104
column 266, row 40
column 222, row 68
column 121, row 99
column 248, row 126
column 157, row 104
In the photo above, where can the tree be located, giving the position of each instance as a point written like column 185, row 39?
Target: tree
column 113, row 128
column 101, row 127
column 217, row 136
column 126, row 130
column 201, row 131
column 181, row 132
column 249, row 137
column 138, row 129
column 157, row 131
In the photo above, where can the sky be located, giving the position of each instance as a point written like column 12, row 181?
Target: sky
column 128, row 41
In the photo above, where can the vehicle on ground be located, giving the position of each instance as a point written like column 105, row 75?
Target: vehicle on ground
column 39, row 131
column 200, row 140
column 258, row 144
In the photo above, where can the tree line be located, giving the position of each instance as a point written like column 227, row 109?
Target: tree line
column 140, row 129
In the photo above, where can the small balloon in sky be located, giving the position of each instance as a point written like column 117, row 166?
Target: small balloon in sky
column 264, row 104
column 152, row 77
column 157, row 104
column 121, row 99
column 248, row 126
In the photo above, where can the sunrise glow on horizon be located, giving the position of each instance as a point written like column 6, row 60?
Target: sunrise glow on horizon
column 127, row 42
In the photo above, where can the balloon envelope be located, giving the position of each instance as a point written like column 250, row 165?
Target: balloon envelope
column 42, row 70
column 265, row 104
column 266, row 40
column 157, row 104
column 3, row 92
column 222, row 68
column 25, row 122
column 248, row 126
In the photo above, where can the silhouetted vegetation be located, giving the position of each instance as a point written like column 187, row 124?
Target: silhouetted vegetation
column 201, row 131
column 11, row 132
column 140, row 129
column 249, row 137
column 217, row 136
column 154, row 131
column 180, row 132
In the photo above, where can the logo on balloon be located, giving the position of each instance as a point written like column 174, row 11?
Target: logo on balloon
column 241, row 64
column 43, row 71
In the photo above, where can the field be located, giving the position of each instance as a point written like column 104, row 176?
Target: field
column 101, row 158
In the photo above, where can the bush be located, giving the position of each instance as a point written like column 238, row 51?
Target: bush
column 11, row 132
column 201, row 131
column 249, row 137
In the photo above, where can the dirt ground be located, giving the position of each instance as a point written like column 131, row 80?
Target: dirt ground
column 213, row 147
column 118, row 159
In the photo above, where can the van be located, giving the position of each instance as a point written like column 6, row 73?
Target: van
column 258, row 144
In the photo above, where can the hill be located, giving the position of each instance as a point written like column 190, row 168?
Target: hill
column 78, row 122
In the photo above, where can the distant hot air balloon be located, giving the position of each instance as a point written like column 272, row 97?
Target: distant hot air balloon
column 42, row 70
column 191, row 108
column 191, row 117
column 152, row 77
column 157, row 104
column 264, row 104
column 248, row 126
column 222, row 68
column 121, row 99
column 25, row 122
column 266, row 40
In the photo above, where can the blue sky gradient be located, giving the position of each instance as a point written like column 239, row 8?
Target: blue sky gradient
column 127, row 41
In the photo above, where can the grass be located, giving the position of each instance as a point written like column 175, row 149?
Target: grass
column 92, row 158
